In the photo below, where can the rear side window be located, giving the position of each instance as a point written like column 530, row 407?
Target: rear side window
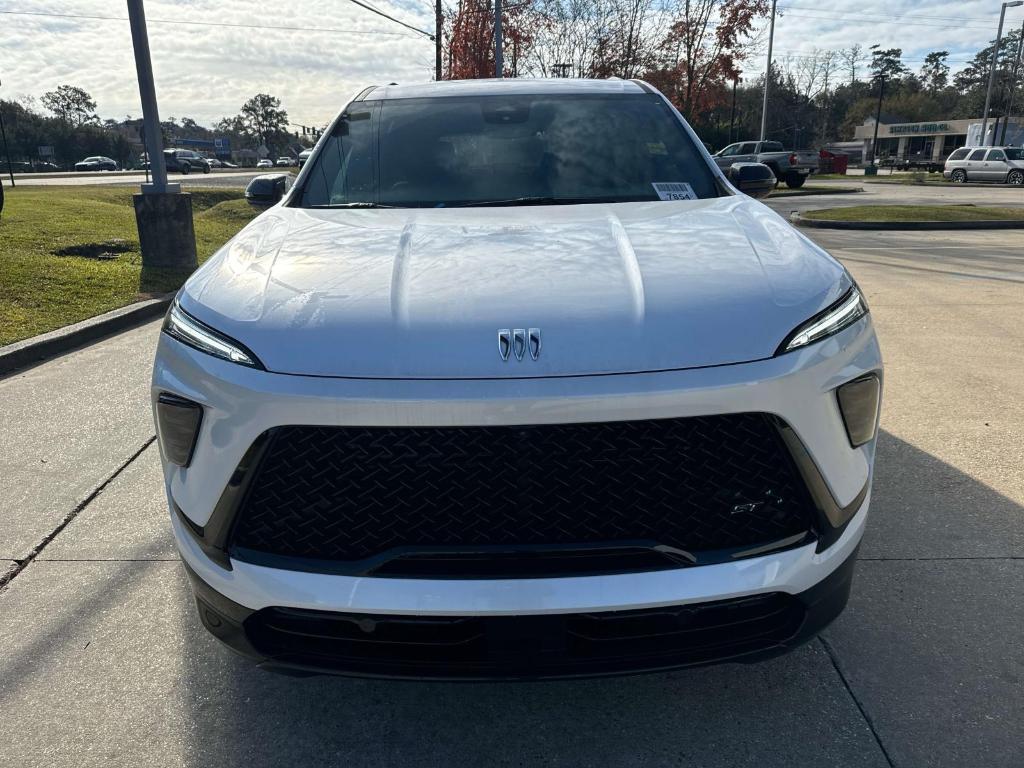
column 772, row 146
column 959, row 154
column 748, row 149
column 996, row 154
column 978, row 154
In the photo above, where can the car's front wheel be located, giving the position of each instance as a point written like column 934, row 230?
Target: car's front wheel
column 206, row 169
column 186, row 169
column 1015, row 177
column 959, row 176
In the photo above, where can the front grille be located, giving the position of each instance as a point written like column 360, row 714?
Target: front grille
column 359, row 499
column 525, row 646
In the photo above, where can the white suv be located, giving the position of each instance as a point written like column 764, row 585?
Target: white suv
column 1000, row 164
column 514, row 383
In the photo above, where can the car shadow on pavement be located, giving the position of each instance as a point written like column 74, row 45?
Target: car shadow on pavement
column 795, row 710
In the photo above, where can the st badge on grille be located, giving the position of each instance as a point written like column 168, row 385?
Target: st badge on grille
column 515, row 342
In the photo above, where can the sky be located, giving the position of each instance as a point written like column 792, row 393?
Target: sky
column 334, row 48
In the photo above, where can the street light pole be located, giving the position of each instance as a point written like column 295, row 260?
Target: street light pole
column 768, row 74
column 163, row 215
column 992, row 67
column 498, row 63
column 147, row 91
column 1013, row 83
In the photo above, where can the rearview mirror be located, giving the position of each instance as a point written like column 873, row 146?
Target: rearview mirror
column 268, row 189
column 754, row 179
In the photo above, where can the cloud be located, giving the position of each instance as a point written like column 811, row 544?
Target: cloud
column 208, row 72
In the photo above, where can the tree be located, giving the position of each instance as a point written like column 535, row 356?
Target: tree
column 71, row 105
column 935, row 72
column 468, row 52
column 887, row 65
column 853, row 57
column 699, row 55
column 263, row 119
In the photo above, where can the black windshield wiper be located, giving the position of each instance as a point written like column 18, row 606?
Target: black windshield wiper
column 538, row 200
column 353, row 205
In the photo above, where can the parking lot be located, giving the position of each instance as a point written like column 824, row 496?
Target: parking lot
column 102, row 659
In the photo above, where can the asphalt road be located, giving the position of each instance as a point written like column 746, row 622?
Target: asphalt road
column 103, row 662
column 222, row 178
column 879, row 193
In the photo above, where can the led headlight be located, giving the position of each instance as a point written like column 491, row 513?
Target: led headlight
column 188, row 330
column 843, row 313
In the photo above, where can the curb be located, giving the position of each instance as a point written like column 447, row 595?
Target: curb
column 805, row 192
column 919, row 226
column 28, row 352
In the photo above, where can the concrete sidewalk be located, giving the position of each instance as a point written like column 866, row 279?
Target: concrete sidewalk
column 103, row 662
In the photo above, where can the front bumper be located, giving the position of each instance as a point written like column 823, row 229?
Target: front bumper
column 546, row 646
column 241, row 403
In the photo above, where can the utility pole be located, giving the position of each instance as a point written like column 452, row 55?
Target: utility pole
column 499, row 65
column 1013, row 83
column 732, row 116
column 438, row 22
column 768, row 74
column 992, row 67
column 163, row 215
column 878, row 117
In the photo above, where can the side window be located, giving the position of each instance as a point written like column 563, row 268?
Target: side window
column 978, row 154
column 748, row 148
column 996, row 154
column 959, row 154
column 732, row 149
column 346, row 169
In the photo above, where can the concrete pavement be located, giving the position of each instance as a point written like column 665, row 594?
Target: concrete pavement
column 102, row 660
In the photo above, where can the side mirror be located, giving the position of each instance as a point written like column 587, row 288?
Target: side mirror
column 268, row 189
column 754, row 179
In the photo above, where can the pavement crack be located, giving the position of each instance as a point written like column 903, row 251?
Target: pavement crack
column 23, row 563
column 863, row 712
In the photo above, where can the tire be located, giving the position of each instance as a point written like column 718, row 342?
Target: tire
column 959, row 176
column 206, row 169
column 186, row 169
column 1015, row 177
column 795, row 180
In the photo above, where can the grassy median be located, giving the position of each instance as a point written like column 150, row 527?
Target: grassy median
column 907, row 213
column 69, row 253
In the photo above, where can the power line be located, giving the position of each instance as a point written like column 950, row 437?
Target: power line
column 902, row 16
column 861, row 20
column 286, row 28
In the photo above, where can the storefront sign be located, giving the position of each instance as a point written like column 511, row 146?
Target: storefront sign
column 920, row 128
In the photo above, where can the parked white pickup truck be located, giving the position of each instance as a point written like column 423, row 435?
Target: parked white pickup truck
column 792, row 167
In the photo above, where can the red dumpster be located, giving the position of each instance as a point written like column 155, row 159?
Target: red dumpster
column 839, row 163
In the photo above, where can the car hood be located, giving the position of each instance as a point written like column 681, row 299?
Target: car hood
column 422, row 293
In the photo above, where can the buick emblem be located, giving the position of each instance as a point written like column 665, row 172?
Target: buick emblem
column 514, row 342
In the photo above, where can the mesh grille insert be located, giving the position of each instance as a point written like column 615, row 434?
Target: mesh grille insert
column 699, row 484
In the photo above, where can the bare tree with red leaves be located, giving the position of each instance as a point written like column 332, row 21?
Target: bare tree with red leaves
column 701, row 52
column 469, row 48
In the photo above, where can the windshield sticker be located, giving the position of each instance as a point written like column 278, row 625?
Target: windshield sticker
column 656, row 148
column 673, row 190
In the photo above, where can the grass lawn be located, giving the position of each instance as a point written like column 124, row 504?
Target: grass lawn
column 916, row 213
column 69, row 253
column 916, row 177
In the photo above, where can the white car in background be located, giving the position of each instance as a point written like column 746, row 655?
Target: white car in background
column 1004, row 165
column 514, row 383
column 265, row 163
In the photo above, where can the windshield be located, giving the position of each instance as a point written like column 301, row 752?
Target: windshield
column 438, row 152
column 1014, row 153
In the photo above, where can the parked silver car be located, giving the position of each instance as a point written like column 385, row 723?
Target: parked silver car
column 1000, row 164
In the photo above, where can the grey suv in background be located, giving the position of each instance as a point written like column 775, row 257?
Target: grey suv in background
column 1004, row 165
column 185, row 161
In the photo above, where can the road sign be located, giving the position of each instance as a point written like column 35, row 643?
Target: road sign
column 46, row 151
